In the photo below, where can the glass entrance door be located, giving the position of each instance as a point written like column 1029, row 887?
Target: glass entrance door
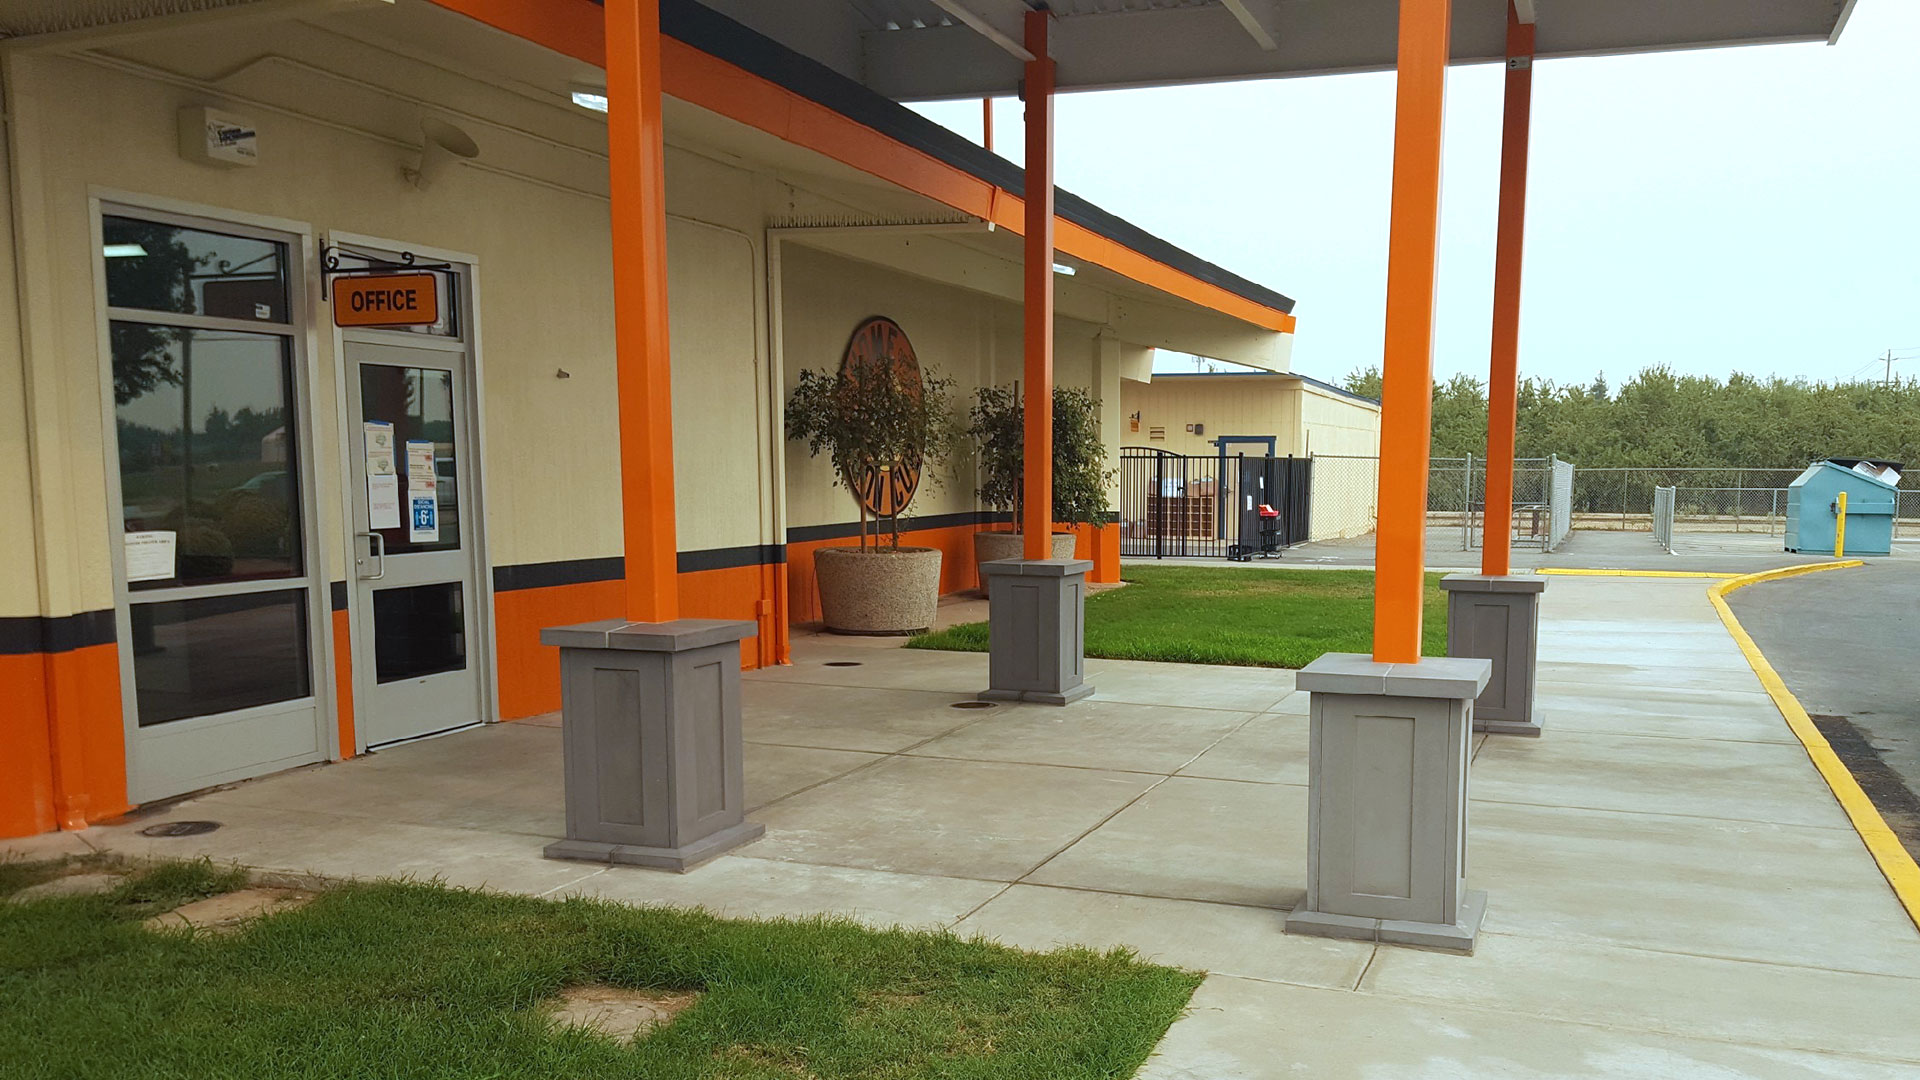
column 415, row 659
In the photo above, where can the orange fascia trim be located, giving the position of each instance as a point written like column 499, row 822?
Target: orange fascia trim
column 573, row 27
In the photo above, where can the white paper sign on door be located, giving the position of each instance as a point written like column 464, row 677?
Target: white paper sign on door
column 383, row 501
column 150, row 555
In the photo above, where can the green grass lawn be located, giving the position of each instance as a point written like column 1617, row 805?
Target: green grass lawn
column 406, row 980
column 1231, row 615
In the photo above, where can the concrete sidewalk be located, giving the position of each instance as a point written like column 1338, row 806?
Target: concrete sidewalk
column 1674, row 893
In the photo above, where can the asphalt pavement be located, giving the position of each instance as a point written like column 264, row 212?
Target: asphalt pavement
column 1847, row 642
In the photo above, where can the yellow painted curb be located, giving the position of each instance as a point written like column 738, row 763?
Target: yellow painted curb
column 1894, row 862
column 1631, row 573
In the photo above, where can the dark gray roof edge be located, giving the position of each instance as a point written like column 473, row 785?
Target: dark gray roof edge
column 1308, row 379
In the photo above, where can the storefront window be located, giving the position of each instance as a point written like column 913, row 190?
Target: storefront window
column 207, row 455
column 206, row 416
column 153, row 266
column 216, row 654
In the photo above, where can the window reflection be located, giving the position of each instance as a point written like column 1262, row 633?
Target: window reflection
column 418, row 631
column 216, row 654
column 207, row 453
column 170, row 268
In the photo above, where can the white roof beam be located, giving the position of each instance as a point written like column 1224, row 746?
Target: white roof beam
column 1252, row 25
column 979, row 24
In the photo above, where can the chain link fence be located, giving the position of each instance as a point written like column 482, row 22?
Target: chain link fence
column 1346, row 498
column 1707, row 499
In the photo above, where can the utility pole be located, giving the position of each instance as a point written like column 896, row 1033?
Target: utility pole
column 1888, row 381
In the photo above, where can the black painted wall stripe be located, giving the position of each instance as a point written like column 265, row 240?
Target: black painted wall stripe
column 26, row 634
column 337, row 593
column 727, row 558
column 842, row 530
column 565, row 572
column 716, row 35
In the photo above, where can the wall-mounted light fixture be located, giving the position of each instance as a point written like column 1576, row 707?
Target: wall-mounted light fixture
column 593, row 98
column 442, row 145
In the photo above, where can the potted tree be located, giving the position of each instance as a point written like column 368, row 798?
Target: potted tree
column 886, row 427
column 1080, row 472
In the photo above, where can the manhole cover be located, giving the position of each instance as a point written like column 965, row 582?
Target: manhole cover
column 972, row 705
column 180, row 828
column 843, row 663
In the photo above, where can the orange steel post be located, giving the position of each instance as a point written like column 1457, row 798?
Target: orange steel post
column 636, row 167
column 1037, row 521
column 986, row 122
column 1503, row 372
column 1406, row 406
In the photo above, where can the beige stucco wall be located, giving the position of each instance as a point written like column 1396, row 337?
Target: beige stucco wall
column 972, row 337
column 19, row 587
column 1303, row 418
column 1223, row 404
column 1332, row 424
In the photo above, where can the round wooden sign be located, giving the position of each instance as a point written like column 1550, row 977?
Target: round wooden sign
column 879, row 345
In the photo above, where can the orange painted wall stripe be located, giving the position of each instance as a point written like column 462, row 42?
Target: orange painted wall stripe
column 1503, row 368
column 1406, row 406
column 711, row 83
column 343, row 683
column 26, row 766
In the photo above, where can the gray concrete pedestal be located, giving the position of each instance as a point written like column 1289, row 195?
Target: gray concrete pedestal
column 650, row 720
column 1387, row 770
column 1036, row 629
column 1498, row 619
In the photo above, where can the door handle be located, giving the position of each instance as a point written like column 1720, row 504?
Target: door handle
column 376, row 548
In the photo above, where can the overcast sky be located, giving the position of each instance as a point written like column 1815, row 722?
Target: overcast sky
column 1753, row 209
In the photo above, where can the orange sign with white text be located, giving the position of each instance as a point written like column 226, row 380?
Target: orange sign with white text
column 386, row 300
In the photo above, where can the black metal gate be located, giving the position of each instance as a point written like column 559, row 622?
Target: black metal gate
column 1180, row 505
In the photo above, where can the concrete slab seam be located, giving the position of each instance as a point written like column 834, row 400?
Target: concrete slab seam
column 1888, row 853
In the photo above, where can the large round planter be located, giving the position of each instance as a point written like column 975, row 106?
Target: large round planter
column 988, row 546
column 878, row 591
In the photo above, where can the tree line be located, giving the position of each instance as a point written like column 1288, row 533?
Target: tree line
column 1660, row 419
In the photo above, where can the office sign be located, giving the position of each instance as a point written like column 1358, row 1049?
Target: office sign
column 386, row 300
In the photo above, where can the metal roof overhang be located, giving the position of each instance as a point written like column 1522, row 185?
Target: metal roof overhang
column 929, row 49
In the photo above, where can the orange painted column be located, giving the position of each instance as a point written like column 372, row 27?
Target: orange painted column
column 1503, row 371
column 1406, row 400
column 1037, row 493
column 636, row 165
column 986, row 122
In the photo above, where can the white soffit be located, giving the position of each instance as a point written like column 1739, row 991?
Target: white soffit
column 928, row 49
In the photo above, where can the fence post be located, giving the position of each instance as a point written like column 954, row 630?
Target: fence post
column 1466, row 507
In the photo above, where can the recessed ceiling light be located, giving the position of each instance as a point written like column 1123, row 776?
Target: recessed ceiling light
column 123, row 251
column 1063, row 268
column 591, row 99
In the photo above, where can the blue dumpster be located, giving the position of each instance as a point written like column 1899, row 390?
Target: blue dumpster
column 1813, row 502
